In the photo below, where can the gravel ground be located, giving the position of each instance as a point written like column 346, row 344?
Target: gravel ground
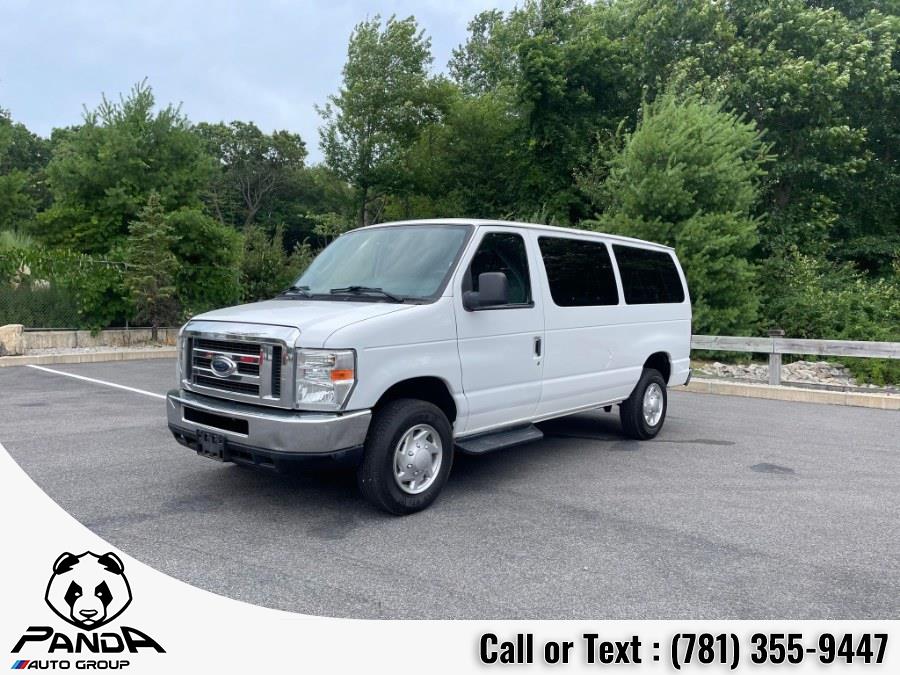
column 799, row 372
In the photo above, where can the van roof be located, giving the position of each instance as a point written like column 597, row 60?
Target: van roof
column 532, row 226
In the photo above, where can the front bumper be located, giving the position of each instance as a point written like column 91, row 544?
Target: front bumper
column 253, row 431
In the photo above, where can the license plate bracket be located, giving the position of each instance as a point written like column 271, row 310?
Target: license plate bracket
column 210, row 444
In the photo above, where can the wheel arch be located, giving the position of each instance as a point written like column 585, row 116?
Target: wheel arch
column 425, row 388
column 662, row 362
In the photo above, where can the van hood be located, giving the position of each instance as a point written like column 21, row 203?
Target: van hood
column 316, row 319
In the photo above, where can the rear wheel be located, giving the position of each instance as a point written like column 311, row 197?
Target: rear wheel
column 643, row 413
column 408, row 456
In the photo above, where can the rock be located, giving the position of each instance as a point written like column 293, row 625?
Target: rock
column 12, row 340
column 797, row 372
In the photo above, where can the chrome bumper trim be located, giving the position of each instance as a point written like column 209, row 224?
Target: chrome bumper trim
column 282, row 431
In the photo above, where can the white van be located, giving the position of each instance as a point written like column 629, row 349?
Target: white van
column 405, row 342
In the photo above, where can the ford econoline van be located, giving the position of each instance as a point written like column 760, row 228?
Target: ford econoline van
column 406, row 342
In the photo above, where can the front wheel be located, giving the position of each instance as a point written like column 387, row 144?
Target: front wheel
column 408, row 455
column 643, row 413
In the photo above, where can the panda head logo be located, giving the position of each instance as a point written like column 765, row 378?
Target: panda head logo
column 88, row 590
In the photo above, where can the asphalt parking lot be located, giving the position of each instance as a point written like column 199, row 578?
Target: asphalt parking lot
column 741, row 509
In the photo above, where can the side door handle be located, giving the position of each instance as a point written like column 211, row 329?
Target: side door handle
column 538, row 346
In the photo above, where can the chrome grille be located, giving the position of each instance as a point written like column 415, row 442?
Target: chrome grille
column 276, row 368
column 205, row 362
column 257, row 372
column 227, row 385
column 227, row 346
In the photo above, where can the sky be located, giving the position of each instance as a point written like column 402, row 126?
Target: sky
column 266, row 61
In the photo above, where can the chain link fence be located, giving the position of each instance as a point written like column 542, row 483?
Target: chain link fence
column 45, row 306
column 40, row 291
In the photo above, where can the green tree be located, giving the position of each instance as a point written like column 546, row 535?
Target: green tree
column 688, row 176
column 209, row 257
column 317, row 193
column 820, row 79
column 487, row 63
column 23, row 156
column 671, row 44
column 565, row 76
column 20, row 149
column 254, row 169
column 329, row 226
column 822, row 87
column 489, row 60
column 474, row 162
column 103, row 172
column 386, row 99
column 867, row 230
column 18, row 205
column 151, row 267
column 266, row 268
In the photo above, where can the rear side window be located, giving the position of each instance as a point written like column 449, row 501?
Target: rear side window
column 580, row 272
column 648, row 277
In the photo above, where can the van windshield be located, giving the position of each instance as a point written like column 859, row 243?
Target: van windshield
column 406, row 262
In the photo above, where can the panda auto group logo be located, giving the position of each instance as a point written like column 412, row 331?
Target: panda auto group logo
column 87, row 591
column 94, row 594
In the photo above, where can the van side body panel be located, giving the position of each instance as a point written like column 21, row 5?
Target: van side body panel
column 595, row 354
column 583, row 357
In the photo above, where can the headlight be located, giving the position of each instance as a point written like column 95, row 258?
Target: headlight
column 325, row 378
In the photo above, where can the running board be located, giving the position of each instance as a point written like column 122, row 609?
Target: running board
column 478, row 445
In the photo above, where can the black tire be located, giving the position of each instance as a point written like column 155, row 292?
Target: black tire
column 375, row 475
column 631, row 411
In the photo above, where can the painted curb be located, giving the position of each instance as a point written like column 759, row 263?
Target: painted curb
column 796, row 394
column 88, row 357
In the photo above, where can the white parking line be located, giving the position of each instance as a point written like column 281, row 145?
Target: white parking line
column 103, row 382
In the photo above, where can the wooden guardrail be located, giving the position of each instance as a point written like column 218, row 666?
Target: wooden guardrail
column 776, row 344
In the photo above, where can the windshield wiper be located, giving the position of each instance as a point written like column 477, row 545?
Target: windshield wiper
column 366, row 290
column 296, row 290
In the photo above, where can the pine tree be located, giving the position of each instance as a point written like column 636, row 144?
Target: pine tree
column 688, row 176
column 151, row 267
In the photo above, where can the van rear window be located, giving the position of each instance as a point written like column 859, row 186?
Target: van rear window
column 648, row 277
column 580, row 272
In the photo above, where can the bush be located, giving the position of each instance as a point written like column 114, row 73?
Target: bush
column 72, row 288
column 210, row 254
column 57, row 288
column 814, row 298
column 267, row 269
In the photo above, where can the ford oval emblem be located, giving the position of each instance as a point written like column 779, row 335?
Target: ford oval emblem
column 222, row 366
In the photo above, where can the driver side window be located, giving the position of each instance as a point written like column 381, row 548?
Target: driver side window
column 502, row 252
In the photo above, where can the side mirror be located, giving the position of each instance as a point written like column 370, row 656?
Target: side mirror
column 493, row 289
